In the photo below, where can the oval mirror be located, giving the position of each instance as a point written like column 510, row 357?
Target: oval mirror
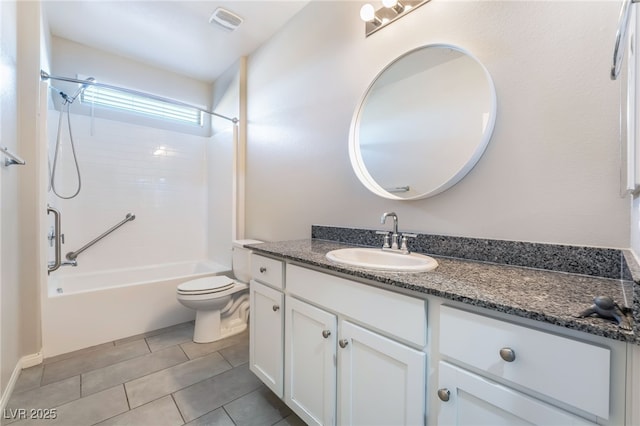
column 423, row 123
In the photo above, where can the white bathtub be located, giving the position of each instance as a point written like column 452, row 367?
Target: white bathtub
column 83, row 310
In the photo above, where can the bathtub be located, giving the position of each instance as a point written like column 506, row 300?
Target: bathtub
column 83, row 310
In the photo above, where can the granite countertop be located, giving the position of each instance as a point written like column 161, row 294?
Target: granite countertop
column 541, row 295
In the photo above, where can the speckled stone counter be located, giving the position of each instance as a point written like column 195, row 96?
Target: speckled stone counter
column 541, row 295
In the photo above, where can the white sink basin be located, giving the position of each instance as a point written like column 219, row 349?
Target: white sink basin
column 374, row 258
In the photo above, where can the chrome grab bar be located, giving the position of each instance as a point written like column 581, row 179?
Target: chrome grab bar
column 52, row 266
column 621, row 36
column 73, row 254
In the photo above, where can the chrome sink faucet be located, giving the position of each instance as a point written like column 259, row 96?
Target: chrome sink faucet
column 395, row 236
column 396, row 244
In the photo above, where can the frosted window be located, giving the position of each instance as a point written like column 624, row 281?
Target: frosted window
column 137, row 104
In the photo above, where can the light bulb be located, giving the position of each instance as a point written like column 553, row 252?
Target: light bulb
column 367, row 13
column 389, row 3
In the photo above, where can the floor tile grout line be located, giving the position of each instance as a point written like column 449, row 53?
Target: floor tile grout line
column 173, row 398
column 46, row 361
column 86, row 355
column 126, row 395
column 209, row 353
column 80, row 352
column 139, row 377
column 192, row 384
column 146, row 342
column 183, row 351
column 209, row 378
column 105, row 346
column 228, row 413
column 93, row 369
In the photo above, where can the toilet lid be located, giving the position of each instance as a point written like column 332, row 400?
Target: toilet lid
column 206, row 285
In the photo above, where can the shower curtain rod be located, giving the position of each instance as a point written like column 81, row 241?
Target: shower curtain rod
column 45, row 76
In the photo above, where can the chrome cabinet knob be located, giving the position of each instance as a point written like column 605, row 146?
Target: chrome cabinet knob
column 508, row 354
column 343, row 343
column 326, row 333
column 263, row 269
column 444, row 394
column 275, row 308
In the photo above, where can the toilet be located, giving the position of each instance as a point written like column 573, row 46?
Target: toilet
column 221, row 303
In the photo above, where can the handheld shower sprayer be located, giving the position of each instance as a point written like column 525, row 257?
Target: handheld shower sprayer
column 65, row 109
column 78, row 92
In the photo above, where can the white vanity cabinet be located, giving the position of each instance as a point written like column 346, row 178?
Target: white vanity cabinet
column 266, row 320
column 470, row 399
column 310, row 362
column 343, row 362
column 571, row 372
column 382, row 382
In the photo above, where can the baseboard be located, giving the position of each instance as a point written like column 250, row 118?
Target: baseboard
column 24, row 362
column 31, row 360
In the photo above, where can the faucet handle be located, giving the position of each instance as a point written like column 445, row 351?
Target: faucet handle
column 405, row 236
column 386, row 238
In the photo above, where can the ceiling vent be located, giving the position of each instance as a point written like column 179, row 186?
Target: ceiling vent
column 226, row 19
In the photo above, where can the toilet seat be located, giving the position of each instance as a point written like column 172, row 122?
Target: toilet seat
column 206, row 285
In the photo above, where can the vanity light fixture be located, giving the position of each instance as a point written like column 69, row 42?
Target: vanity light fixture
column 389, row 12
column 394, row 4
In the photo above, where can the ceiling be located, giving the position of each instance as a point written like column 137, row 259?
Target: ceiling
column 171, row 35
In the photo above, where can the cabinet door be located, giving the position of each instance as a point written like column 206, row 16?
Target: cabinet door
column 310, row 372
column 266, row 358
column 469, row 399
column 381, row 382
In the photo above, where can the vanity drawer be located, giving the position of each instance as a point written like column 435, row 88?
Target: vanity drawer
column 267, row 271
column 567, row 370
column 397, row 315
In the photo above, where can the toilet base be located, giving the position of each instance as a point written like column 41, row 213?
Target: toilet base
column 216, row 324
column 208, row 327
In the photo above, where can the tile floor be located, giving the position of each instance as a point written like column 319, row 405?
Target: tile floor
column 156, row 379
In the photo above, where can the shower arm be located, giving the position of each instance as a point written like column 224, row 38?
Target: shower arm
column 45, row 76
column 72, row 255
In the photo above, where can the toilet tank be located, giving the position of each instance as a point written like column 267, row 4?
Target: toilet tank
column 241, row 260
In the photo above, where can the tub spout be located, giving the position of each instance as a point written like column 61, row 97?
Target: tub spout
column 53, row 267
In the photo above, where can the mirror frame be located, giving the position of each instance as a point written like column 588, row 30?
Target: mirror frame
column 355, row 155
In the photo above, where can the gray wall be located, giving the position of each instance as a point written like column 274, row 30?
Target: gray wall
column 550, row 172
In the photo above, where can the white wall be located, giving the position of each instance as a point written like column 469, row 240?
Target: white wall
column 549, row 174
column 221, row 158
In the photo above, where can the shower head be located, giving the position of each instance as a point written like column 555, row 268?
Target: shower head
column 81, row 88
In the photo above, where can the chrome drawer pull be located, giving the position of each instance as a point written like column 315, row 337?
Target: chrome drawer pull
column 263, row 269
column 508, row 354
column 275, row 308
column 326, row 333
column 343, row 343
column 444, row 394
